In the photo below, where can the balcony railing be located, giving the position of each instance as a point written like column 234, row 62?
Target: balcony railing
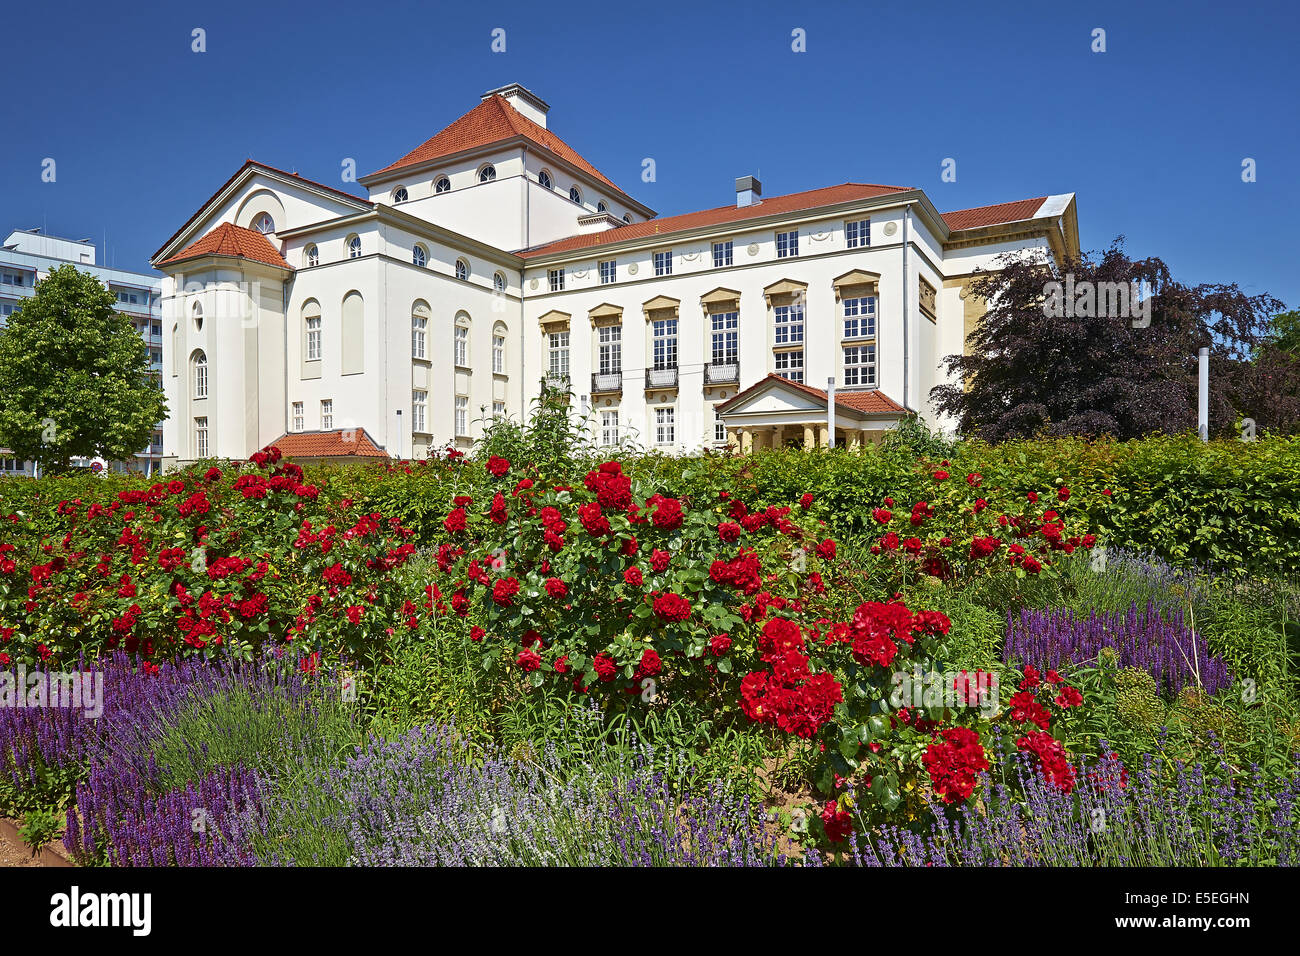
column 606, row 382
column 661, row 377
column 721, row 373
column 557, row 380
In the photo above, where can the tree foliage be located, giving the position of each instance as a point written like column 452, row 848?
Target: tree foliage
column 74, row 376
column 1028, row 372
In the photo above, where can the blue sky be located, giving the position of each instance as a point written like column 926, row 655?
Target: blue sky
column 1150, row 134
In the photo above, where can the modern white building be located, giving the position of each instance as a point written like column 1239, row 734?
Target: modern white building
column 493, row 255
column 26, row 257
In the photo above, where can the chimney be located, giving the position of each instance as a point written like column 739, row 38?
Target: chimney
column 524, row 100
column 748, row 191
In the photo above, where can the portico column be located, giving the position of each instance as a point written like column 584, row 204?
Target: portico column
column 778, row 436
column 826, row 441
column 855, row 439
column 809, row 438
column 746, row 441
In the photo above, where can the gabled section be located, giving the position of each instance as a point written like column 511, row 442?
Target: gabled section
column 235, row 242
column 779, row 397
column 331, row 202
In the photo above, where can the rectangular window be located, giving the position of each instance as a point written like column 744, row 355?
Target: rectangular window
column 419, row 331
column 726, row 337
column 299, row 419
column 461, row 345
column 719, row 427
column 326, row 414
column 664, row 342
column 664, row 263
column 201, row 438
column 608, row 271
column 787, row 244
column 555, row 278
column 498, row 410
column 609, row 349
column 789, row 323
column 499, row 354
column 462, row 416
column 419, row 404
column 665, row 426
column 721, row 254
column 609, row 428
column 11, row 278
column 313, row 338
column 860, row 366
column 857, row 233
column 790, row 365
column 559, row 354
column 860, row 317
column 201, row 378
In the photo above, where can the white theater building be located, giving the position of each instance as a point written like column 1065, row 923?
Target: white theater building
column 494, row 255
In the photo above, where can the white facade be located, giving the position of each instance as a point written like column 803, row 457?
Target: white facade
column 475, row 268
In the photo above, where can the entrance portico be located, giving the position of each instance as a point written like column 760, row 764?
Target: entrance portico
column 778, row 413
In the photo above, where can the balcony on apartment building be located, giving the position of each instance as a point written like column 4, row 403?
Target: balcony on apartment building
column 661, row 377
column 722, row 373
column 605, row 383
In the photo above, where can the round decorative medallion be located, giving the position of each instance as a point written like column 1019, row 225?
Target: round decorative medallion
column 723, row 394
column 891, row 228
column 533, row 284
column 963, row 292
column 632, row 269
column 753, row 249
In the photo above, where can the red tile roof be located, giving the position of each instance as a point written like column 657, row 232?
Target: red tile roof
column 358, row 444
column 776, row 205
column 238, row 172
column 993, row 215
column 231, row 240
column 493, row 121
column 873, row 402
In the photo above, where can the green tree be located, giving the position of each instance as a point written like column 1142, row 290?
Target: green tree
column 74, row 376
column 1286, row 331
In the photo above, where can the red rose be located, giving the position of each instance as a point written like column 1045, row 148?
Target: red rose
column 556, row 588
column 672, row 607
column 504, row 590
column 719, row 644
column 728, row 531
column 455, row 521
column 528, row 661
column 632, row 576
column 826, row 550
column 604, row 667
column 806, row 502
column 1063, row 493
column 498, row 466
column 659, row 560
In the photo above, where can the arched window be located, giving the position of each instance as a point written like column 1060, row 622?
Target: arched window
column 354, row 247
column 311, row 331
column 575, row 194
column 442, row 185
column 487, row 173
column 418, row 255
column 460, row 343
column 400, row 194
column 420, row 313
column 313, row 254
column 627, row 218
column 601, row 207
column 353, row 344
column 499, row 282
column 462, row 270
column 544, row 179
column 197, row 312
column 499, row 349
column 199, row 370
column 264, row 223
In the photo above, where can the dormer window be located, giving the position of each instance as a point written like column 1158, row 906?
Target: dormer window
column 400, row 194
column 442, row 185
column 575, row 194
column 544, row 179
column 264, row 224
column 487, row 173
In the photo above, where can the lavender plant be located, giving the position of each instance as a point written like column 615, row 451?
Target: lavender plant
column 1156, row 641
column 1160, row 815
